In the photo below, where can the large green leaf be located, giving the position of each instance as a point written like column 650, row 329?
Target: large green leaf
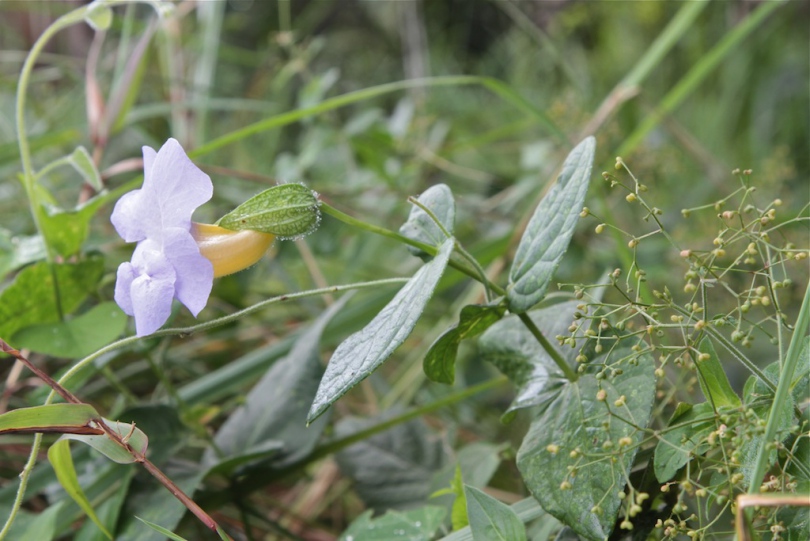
column 713, row 380
column 77, row 337
column 391, row 469
column 684, row 438
column 273, row 417
column 575, row 422
column 415, row 525
column 516, row 352
column 421, row 227
column 550, row 229
column 30, row 298
column 286, row 210
column 361, row 353
column 66, row 230
column 57, row 418
column 62, row 462
column 491, row 520
column 440, row 361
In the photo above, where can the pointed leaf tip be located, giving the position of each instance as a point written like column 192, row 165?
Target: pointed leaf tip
column 364, row 351
column 550, row 230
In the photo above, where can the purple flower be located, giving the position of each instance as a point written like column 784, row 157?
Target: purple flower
column 167, row 263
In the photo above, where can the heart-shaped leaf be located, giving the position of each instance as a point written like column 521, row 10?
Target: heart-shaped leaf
column 516, row 352
column 550, row 229
column 576, row 429
column 364, row 351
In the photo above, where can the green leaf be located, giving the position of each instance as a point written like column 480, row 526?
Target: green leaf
column 272, row 419
column 394, row 468
column 576, row 421
column 162, row 530
column 103, row 444
column 421, row 227
column 550, row 230
column 30, row 298
column 713, row 380
column 98, row 16
column 364, row 351
column 57, row 418
column 66, row 230
column 75, row 338
column 286, row 210
column 82, row 162
column 440, row 361
column 18, row 251
column 415, row 525
column 514, row 351
column 527, row 510
column 684, row 438
column 62, row 462
column 491, row 520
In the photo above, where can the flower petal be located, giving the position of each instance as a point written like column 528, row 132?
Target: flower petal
column 179, row 186
column 151, row 302
column 151, row 293
column 126, row 274
column 149, row 155
column 195, row 273
column 135, row 216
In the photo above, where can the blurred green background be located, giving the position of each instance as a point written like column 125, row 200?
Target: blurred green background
column 736, row 96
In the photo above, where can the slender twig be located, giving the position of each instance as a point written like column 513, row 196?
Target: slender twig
column 137, row 456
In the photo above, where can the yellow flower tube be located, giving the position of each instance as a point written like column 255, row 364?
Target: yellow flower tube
column 230, row 251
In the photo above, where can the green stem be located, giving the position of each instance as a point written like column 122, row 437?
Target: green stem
column 782, row 392
column 427, row 248
column 464, row 253
column 552, row 352
column 28, row 173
